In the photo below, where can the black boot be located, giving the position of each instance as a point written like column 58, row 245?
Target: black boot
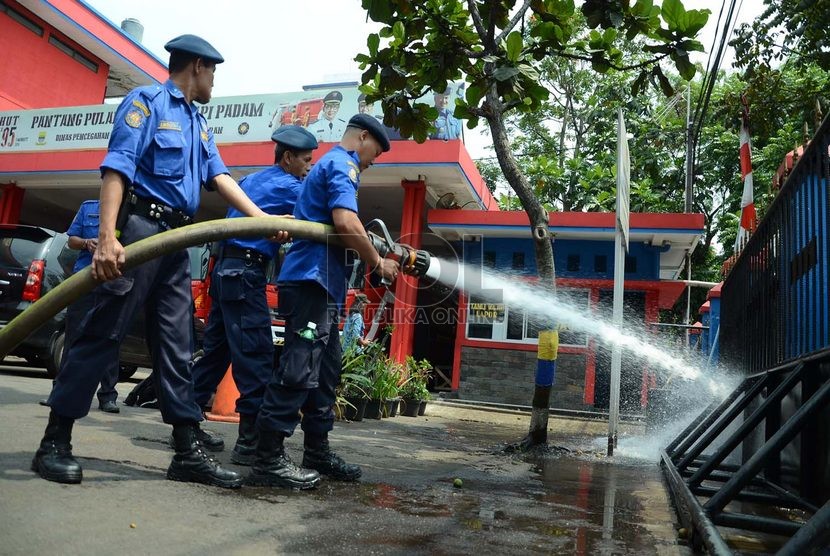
column 53, row 460
column 273, row 467
column 244, row 452
column 192, row 464
column 320, row 457
column 211, row 441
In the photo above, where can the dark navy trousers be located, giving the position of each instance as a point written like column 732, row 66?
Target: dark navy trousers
column 74, row 316
column 160, row 287
column 309, row 371
column 239, row 333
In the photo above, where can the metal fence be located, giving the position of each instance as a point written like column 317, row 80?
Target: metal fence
column 775, row 299
column 774, row 329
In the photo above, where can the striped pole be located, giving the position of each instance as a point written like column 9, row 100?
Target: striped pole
column 748, row 214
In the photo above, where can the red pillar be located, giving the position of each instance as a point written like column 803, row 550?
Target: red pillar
column 406, row 287
column 11, row 200
column 652, row 315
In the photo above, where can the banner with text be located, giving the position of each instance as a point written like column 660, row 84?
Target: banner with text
column 250, row 118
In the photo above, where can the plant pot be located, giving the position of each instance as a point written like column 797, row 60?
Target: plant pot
column 395, row 405
column 374, row 409
column 355, row 411
column 410, row 407
column 387, row 408
column 422, row 409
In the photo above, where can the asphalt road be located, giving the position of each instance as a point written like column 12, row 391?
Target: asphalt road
column 576, row 503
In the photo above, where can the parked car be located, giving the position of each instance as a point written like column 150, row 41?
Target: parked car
column 33, row 260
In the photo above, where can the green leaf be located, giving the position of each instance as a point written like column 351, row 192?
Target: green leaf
column 373, row 42
column 642, row 8
column 474, row 94
column 504, row 73
column 695, row 21
column 685, row 67
column 379, row 10
column 673, row 13
column 665, row 84
column 514, row 46
column 600, row 64
column 398, row 31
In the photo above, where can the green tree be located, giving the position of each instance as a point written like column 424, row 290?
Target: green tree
column 787, row 30
column 496, row 47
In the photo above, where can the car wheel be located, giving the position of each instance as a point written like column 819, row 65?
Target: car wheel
column 53, row 361
column 126, row 371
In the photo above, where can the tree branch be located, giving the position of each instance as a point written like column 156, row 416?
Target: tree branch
column 572, row 56
column 479, row 25
column 513, row 22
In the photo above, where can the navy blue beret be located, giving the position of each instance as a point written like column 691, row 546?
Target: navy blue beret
column 196, row 46
column 334, row 96
column 373, row 126
column 295, row 137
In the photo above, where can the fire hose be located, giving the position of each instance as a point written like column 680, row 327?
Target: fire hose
column 412, row 261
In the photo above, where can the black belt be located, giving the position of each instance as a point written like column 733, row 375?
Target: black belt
column 249, row 255
column 154, row 210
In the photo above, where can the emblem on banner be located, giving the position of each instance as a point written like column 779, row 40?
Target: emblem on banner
column 243, row 128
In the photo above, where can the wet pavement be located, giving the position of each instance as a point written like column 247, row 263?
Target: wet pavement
column 572, row 501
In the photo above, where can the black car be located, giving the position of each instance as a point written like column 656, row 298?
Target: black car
column 33, row 260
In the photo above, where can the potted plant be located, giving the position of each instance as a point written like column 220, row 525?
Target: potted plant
column 352, row 393
column 414, row 390
column 384, row 386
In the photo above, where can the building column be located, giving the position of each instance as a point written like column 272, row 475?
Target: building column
column 11, row 201
column 652, row 315
column 406, row 287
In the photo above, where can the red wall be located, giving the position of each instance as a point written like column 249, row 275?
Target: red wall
column 41, row 76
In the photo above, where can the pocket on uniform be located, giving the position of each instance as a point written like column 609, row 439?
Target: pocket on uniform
column 297, row 365
column 90, row 225
column 110, row 311
column 231, row 287
column 120, row 286
column 168, row 155
column 256, row 334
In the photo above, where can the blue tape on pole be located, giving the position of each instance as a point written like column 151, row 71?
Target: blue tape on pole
column 545, row 372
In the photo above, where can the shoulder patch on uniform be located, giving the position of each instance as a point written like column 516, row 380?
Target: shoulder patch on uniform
column 353, row 174
column 204, row 135
column 167, row 124
column 141, row 106
column 134, row 117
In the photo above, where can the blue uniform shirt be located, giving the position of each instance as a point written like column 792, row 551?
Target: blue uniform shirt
column 161, row 144
column 447, row 126
column 273, row 190
column 332, row 183
column 85, row 226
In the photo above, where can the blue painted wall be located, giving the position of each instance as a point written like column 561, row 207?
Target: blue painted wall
column 573, row 258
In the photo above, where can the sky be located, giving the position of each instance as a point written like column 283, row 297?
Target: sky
column 279, row 46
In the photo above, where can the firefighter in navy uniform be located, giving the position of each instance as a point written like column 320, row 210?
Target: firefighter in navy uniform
column 160, row 154
column 312, row 292
column 239, row 324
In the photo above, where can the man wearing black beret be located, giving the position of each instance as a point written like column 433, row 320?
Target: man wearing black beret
column 239, row 324
column 160, row 154
column 312, row 285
